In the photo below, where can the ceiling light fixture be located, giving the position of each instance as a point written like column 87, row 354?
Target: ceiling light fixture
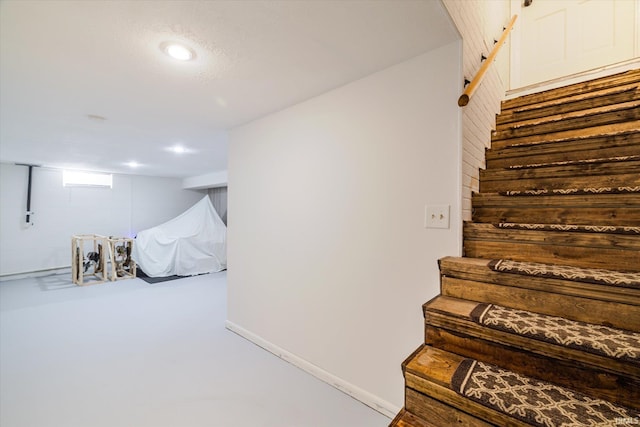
column 178, row 51
column 133, row 164
column 178, row 149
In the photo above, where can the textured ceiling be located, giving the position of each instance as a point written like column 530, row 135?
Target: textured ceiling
column 64, row 61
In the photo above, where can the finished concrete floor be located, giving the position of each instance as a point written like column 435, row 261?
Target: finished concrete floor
column 132, row 354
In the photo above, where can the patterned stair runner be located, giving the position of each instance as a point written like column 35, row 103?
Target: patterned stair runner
column 596, row 339
column 572, row 191
column 570, row 227
column 535, row 402
column 587, row 275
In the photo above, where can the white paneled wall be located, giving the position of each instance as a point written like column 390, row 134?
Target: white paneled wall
column 473, row 18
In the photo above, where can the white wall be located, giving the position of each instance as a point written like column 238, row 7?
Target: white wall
column 133, row 204
column 329, row 260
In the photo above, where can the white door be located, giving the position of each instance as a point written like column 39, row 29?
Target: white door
column 562, row 37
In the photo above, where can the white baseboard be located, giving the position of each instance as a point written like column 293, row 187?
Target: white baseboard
column 37, row 273
column 374, row 402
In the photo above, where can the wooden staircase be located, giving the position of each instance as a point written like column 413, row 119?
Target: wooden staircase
column 543, row 311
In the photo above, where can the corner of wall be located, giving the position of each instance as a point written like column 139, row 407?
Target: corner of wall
column 478, row 117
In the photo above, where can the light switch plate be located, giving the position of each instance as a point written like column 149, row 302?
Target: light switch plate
column 436, row 216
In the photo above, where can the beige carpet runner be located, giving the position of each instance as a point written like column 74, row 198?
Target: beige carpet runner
column 535, row 402
column 597, row 339
column 587, row 275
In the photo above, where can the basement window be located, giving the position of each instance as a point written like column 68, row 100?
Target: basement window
column 86, row 179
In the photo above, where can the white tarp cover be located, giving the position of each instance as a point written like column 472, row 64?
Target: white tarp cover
column 194, row 242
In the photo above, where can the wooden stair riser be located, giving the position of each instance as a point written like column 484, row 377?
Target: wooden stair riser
column 593, row 116
column 585, row 250
column 595, row 174
column 609, row 96
column 619, row 79
column 450, row 398
column 439, row 414
column 561, row 183
column 623, row 113
column 601, row 209
column 439, row 313
column 567, row 373
column 566, row 255
column 594, row 168
column 474, row 278
column 584, row 134
column 602, row 216
column 599, row 147
column 613, row 314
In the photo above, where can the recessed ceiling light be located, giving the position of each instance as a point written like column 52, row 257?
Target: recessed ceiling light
column 178, row 51
column 133, row 164
column 178, row 149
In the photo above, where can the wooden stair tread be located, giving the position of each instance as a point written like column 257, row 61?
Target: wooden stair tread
column 604, row 96
column 588, row 275
column 568, row 135
column 610, row 349
column 619, row 79
column 616, row 388
column 450, row 326
column 449, row 378
column 570, row 303
column 474, row 279
column 407, row 419
column 419, row 377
